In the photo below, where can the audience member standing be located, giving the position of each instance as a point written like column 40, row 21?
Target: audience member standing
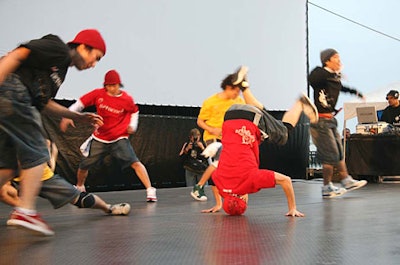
column 193, row 161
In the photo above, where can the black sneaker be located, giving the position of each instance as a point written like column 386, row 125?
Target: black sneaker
column 198, row 193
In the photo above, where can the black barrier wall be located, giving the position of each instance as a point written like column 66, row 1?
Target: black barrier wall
column 292, row 158
column 161, row 133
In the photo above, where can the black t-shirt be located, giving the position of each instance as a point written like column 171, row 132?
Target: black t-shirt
column 327, row 87
column 194, row 160
column 45, row 69
column 391, row 114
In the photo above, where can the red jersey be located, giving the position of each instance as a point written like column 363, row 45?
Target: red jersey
column 115, row 110
column 238, row 168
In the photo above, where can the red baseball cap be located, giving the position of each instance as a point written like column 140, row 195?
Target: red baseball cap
column 234, row 205
column 92, row 38
column 112, row 78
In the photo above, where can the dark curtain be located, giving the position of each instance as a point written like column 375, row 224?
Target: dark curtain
column 290, row 159
column 161, row 133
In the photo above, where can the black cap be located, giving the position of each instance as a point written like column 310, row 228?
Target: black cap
column 393, row 93
column 327, row 54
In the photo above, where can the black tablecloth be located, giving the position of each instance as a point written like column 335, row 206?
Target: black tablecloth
column 373, row 155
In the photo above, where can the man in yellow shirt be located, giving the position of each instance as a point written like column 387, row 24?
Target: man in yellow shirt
column 211, row 118
column 212, row 112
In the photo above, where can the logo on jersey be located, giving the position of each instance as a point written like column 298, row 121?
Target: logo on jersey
column 247, row 137
column 323, row 99
column 110, row 109
column 55, row 77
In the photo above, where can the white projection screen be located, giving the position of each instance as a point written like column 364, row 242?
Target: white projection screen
column 175, row 52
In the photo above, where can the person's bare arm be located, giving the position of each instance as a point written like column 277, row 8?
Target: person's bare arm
column 53, row 151
column 10, row 62
column 54, row 108
column 286, row 184
column 184, row 149
column 249, row 98
column 218, row 202
column 212, row 130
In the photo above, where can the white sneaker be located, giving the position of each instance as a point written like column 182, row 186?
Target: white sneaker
column 151, row 194
column 309, row 108
column 240, row 75
column 120, row 209
column 351, row 184
column 330, row 191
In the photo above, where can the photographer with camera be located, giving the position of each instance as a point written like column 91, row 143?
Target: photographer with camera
column 193, row 162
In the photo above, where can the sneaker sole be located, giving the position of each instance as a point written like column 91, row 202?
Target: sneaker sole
column 335, row 195
column 29, row 227
column 306, row 100
column 364, row 182
column 241, row 74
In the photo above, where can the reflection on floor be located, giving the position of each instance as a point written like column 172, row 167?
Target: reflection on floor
column 359, row 228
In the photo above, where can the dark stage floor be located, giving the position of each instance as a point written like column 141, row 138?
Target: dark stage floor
column 362, row 227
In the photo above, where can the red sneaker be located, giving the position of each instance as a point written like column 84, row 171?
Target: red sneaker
column 31, row 222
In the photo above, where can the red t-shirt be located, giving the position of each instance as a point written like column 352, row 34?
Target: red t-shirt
column 115, row 110
column 238, row 168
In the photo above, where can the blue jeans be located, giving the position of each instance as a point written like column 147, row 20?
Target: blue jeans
column 327, row 140
column 21, row 130
column 121, row 150
column 192, row 178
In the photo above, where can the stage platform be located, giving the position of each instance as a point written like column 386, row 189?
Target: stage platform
column 362, row 227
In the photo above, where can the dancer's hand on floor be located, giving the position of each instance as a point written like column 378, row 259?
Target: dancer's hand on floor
column 214, row 209
column 295, row 213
